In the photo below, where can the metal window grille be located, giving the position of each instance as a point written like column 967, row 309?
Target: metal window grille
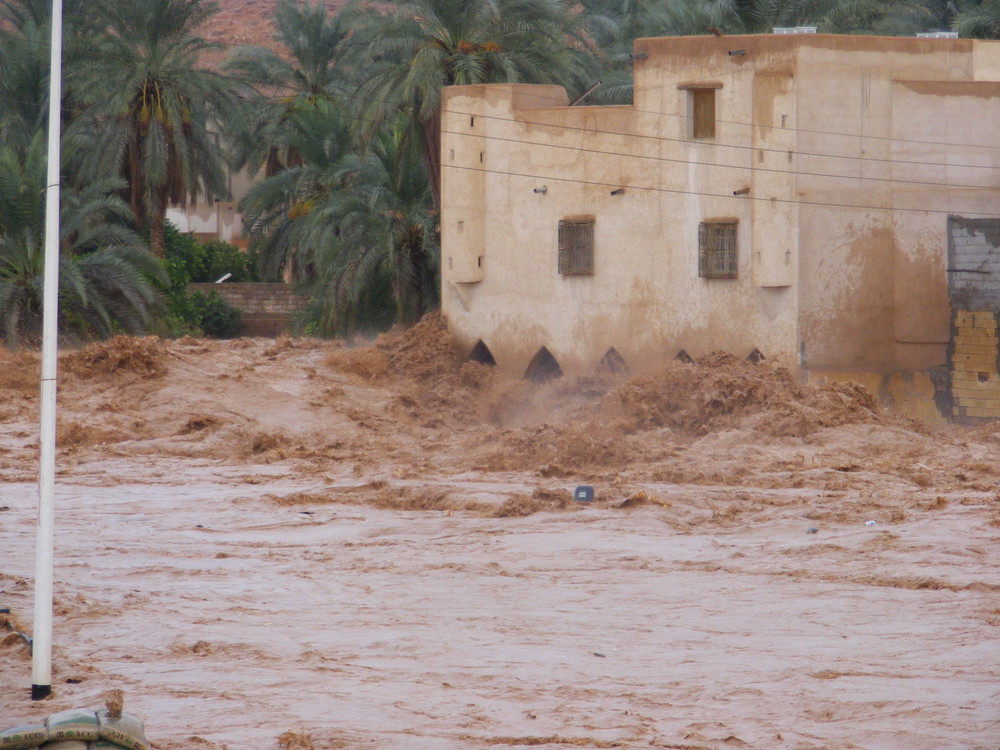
column 717, row 251
column 576, row 248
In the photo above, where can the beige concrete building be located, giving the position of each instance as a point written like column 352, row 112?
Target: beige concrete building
column 215, row 220
column 812, row 197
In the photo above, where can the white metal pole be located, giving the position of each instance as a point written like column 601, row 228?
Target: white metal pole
column 41, row 652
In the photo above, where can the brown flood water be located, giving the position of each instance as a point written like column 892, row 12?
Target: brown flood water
column 297, row 544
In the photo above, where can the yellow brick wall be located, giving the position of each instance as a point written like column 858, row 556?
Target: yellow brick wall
column 908, row 392
column 975, row 382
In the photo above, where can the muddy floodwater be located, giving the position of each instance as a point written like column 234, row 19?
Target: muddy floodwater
column 301, row 544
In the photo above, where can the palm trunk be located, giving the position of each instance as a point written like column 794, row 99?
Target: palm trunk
column 157, row 241
column 411, row 271
column 431, row 131
column 158, row 200
column 402, row 288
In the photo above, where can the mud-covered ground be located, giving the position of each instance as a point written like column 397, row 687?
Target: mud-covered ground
column 300, row 544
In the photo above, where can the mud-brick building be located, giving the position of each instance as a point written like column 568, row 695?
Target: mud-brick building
column 825, row 200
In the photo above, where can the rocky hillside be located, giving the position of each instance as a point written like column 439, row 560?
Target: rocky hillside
column 246, row 22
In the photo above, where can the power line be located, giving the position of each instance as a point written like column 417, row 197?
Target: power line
column 687, row 162
column 589, row 130
column 740, row 123
column 358, row 118
column 751, row 167
column 720, row 145
column 729, row 196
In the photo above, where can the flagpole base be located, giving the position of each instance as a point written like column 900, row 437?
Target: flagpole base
column 39, row 692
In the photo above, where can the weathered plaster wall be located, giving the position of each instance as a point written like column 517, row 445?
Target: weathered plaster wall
column 873, row 223
column 840, row 157
column 645, row 298
column 846, row 290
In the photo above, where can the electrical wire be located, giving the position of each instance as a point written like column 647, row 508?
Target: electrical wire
column 724, row 145
column 752, row 167
column 738, row 147
column 758, row 148
column 728, row 196
column 811, row 131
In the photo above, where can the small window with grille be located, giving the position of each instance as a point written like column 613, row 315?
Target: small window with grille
column 717, row 249
column 576, row 247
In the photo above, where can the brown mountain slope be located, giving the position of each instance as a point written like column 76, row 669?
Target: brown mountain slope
column 241, row 22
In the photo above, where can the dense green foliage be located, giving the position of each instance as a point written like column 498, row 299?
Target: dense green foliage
column 215, row 317
column 202, row 262
column 105, row 273
column 340, row 127
column 152, row 107
column 187, row 260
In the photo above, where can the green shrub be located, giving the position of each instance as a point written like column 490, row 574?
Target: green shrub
column 185, row 253
column 225, row 258
column 215, row 316
column 175, row 324
column 189, row 261
column 204, row 262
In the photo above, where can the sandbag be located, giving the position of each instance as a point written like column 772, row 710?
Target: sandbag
column 23, row 737
column 126, row 731
column 100, row 745
column 74, row 724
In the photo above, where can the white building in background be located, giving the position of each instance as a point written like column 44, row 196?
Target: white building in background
column 217, row 220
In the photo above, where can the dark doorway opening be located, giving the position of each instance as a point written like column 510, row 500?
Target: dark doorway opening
column 543, row 367
column 612, row 362
column 481, row 353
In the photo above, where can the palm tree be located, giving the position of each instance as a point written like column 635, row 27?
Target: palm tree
column 909, row 17
column 156, row 111
column 104, row 268
column 24, row 75
column 24, row 63
column 356, row 227
column 312, row 67
column 760, row 16
column 273, row 208
column 609, row 21
column 614, row 25
column 419, row 46
column 375, row 226
column 978, row 19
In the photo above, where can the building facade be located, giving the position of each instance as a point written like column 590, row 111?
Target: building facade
column 796, row 195
column 210, row 219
